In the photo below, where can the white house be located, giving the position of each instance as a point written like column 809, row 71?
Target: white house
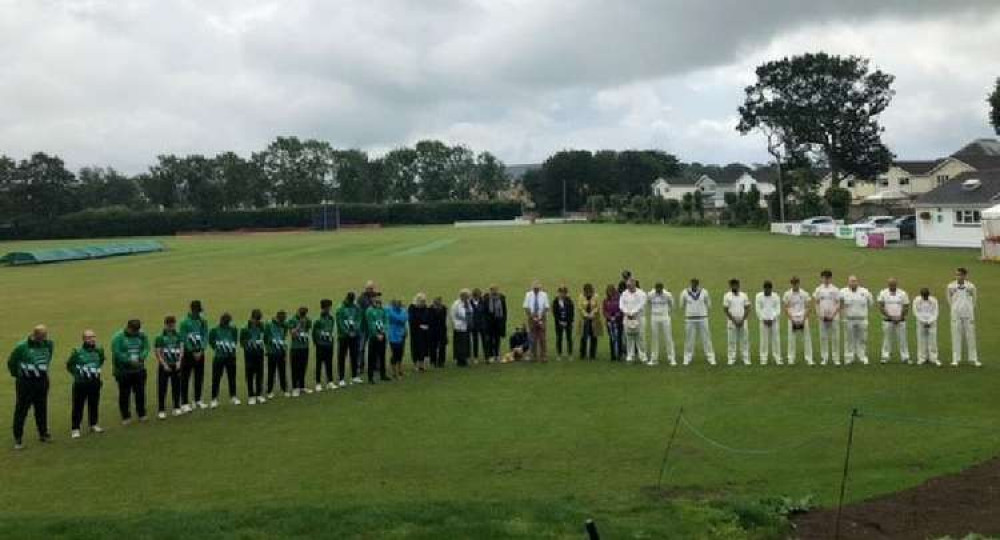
column 950, row 215
column 713, row 190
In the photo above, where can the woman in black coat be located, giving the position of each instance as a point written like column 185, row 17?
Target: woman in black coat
column 420, row 331
column 438, row 334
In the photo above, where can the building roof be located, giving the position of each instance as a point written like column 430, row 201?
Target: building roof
column 980, row 162
column 918, row 167
column 979, row 148
column 955, row 193
column 681, row 180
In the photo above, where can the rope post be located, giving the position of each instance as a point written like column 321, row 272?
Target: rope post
column 591, row 529
column 670, row 445
column 843, row 480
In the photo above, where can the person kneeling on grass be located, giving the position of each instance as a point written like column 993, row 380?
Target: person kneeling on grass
column 223, row 340
column 29, row 365
column 129, row 350
column 85, row 365
column 398, row 319
column 375, row 323
column 252, row 341
column 168, row 348
column 520, row 346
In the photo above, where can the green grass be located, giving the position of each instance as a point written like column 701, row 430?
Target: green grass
column 523, row 451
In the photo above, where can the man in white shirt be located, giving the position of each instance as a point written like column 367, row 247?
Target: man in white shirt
column 661, row 302
column 695, row 303
column 536, row 308
column 632, row 302
column 925, row 309
column 827, row 297
column 856, row 302
column 894, row 304
column 962, row 301
column 796, row 301
column 736, row 306
column 768, row 307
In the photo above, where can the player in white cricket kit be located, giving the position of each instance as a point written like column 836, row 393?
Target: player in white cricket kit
column 632, row 302
column 736, row 305
column 827, row 297
column 894, row 304
column 962, row 299
column 796, row 302
column 661, row 303
column 695, row 303
column 925, row 309
column 768, row 307
column 856, row 304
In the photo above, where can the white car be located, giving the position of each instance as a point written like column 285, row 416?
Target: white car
column 876, row 222
column 819, row 220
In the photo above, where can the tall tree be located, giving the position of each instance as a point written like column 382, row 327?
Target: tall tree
column 827, row 104
column 241, row 180
column 8, row 171
column 351, row 179
column 43, row 187
column 302, row 172
column 400, row 170
column 436, row 179
column 491, row 177
column 101, row 187
column 994, row 101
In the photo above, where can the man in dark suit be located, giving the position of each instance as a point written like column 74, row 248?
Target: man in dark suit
column 495, row 307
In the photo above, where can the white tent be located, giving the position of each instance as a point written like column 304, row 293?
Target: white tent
column 991, row 227
column 992, row 213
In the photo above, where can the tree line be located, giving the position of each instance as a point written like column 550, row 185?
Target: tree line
column 289, row 172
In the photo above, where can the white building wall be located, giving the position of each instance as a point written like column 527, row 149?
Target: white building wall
column 940, row 230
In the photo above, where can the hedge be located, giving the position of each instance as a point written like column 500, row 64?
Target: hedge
column 119, row 222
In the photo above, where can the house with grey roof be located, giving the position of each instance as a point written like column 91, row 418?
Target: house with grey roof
column 950, row 215
column 714, row 190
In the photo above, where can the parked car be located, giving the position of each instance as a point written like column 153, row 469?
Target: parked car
column 907, row 226
column 819, row 220
column 878, row 222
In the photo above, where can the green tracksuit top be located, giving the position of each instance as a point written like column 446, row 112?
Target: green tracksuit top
column 223, row 340
column 194, row 333
column 171, row 346
column 252, row 338
column 129, row 353
column 298, row 332
column 85, row 363
column 375, row 322
column 348, row 320
column 274, row 338
column 324, row 329
column 30, row 359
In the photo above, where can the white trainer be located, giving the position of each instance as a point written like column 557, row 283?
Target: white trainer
column 357, row 380
column 215, row 404
column 251, row 400
column 178, row 412
column 288, row 394
column 331, row 386
column 262, row 399
column 341, row 384
column 75, row 434
column 161, row 415
column 126, row 421
column 201, row 405
column 306, row 391
column 96, row 428
column 319, row 387
column 295, row 393
column 270, row 395
column 236, row 401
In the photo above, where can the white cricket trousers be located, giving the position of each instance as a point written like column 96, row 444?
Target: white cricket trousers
column 738, row 340
column 963, row 329
column 927, row 347
column 829, row 341
column 770, row 342
column 805, row 337
column 894, row 332
column 693, row 328
column 855, row 340
column 660, row 330
column 635, row 345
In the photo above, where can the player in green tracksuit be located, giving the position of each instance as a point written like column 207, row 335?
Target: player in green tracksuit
column 376, row 325
column 169, row 350
column 252, row 341
column 348, row 332
column 129, row 350
column 323, row 331
column 29, row 365
column 224, row 340
column 85, row 365
column 194, row 333
column 298, row 330
column 275, row 334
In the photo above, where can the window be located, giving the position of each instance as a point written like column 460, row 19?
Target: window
column 884, row 182
column 942, row 179
column 904, row 181
column 967, row 218
column 850, row 184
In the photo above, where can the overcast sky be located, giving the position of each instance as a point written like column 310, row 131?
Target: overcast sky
column 116, row 82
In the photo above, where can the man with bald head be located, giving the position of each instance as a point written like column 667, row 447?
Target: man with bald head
column 536, row 307
column 856, row 302
column 894, row 305
column 29, row 365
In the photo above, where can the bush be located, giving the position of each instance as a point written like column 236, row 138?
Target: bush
column 119, row 221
